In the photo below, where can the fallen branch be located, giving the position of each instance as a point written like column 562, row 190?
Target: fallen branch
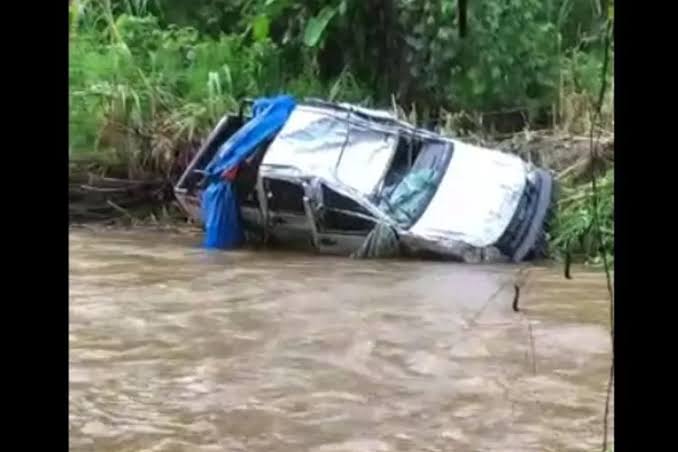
column 104, row 190
column 121, row 210
column 570, row 169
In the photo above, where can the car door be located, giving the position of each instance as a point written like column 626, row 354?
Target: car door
column 284, row 211
column 341, row 223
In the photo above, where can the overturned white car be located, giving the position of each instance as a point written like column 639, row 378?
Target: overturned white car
column 347, row 180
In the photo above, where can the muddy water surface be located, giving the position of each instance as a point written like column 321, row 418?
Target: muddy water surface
column 176, row 349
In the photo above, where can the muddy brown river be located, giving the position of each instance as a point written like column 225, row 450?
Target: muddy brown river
column 173, row 348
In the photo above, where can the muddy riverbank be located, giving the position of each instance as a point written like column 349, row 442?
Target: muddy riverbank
column 173, row 348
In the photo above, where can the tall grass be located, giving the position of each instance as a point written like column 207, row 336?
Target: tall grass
column 135, row 85
column 573, row 229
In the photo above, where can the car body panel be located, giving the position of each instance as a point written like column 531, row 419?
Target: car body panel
column 324, row 179
column 324, row 145
column 476, row 197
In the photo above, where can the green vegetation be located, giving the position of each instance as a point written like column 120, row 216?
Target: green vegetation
column 149, row 78
column 574, row 228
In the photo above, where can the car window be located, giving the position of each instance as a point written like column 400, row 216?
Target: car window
column 413, row 178
column 284, row 196
column 341, row 213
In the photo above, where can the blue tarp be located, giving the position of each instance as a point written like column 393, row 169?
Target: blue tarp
column 221, row 213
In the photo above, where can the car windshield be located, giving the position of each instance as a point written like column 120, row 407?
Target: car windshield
column 412, row 179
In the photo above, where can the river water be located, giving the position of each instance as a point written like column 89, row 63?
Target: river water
column 173, row 348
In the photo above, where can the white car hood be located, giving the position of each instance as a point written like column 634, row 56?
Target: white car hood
column 476, row 198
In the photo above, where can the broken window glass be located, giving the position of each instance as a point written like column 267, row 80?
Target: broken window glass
column 340, row 213
column 284, row 196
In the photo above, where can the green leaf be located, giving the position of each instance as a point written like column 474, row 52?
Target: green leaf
column 445, row 33
column 449, row 53
column 260, row 27
column 336, row 88
column 228, row 77
column 419, row 29
column 74, row 13
column 316, row 26
column 342, row 7
column 479, row 88
column 416, row 44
